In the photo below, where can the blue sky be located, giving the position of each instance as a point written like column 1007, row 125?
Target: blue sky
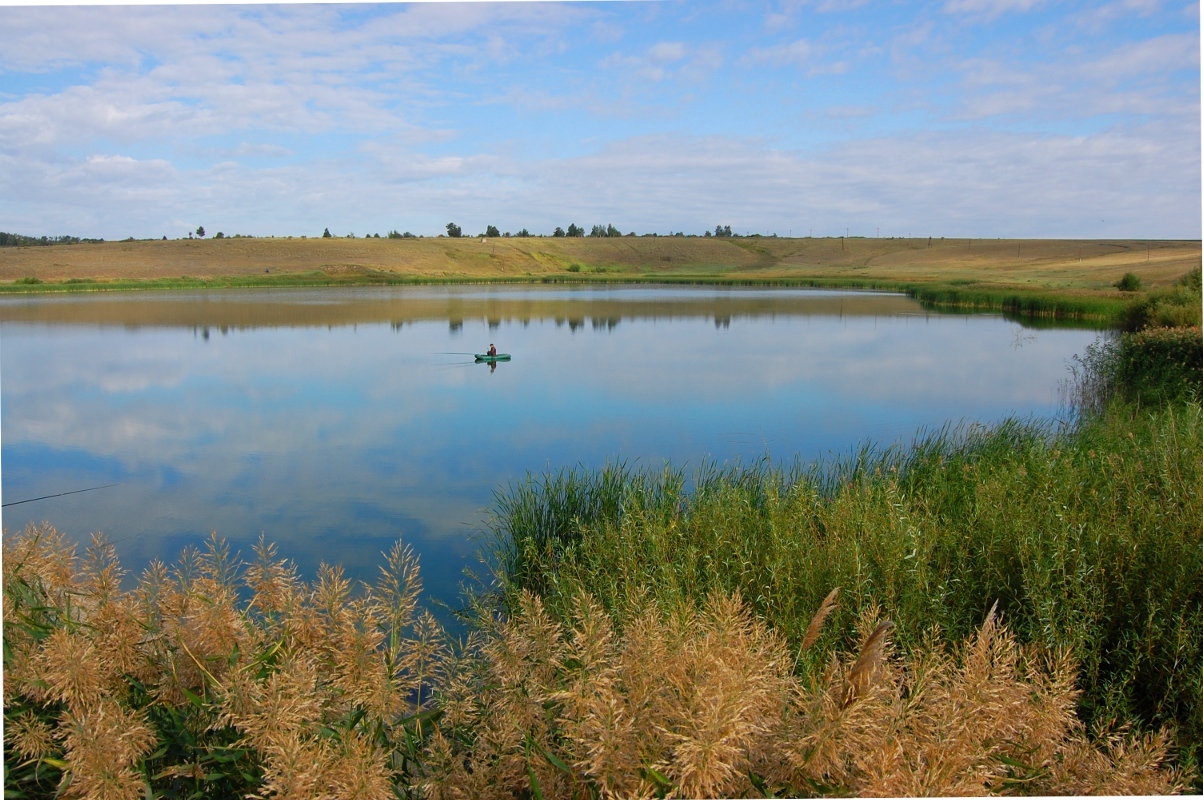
column 983, row 118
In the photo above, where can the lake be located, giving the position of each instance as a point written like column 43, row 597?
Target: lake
column 335, row 421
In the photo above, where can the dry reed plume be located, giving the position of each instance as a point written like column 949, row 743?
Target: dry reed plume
column 235, row 680
column 705, row 703
column 180, row 686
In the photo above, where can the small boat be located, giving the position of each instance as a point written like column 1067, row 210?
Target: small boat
column 498, row 357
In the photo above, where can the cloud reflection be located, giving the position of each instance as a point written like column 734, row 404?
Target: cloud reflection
column 333, row 441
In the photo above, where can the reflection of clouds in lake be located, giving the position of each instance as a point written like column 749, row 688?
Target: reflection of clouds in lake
column 335, row 441
column 915, row 361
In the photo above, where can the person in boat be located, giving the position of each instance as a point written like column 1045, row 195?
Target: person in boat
column 492, row 351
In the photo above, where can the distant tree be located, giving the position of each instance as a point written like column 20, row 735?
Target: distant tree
column 200, row 231
column 375, row 236
column 326, row 234
column 722, row 230
column 454, row 230
column 574, row 230
column 707, row 234
column 598, row 230
column 612, row 231
column 523, row 232
column 492, row 232
column 559, row 231
column 220, row 235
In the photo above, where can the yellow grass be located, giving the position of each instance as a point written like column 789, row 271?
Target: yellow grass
column 250, row 682
column 1088, row 266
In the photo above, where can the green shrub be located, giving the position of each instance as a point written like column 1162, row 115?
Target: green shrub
column 1128, row 283
column 1161, row 364
column 1149, row 367
column 28, row 280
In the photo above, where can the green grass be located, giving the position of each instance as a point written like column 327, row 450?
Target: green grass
column 1045, row 304
column 1089, row 537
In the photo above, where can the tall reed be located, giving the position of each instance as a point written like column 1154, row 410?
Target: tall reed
column 221, row 679
column 210, row 679
column 1089, row 539
column 703, row 701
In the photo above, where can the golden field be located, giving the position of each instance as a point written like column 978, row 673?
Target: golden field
column 1088, row 267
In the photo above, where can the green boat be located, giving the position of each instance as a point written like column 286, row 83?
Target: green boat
column 498, row 357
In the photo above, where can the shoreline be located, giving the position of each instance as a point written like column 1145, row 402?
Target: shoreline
column 1037, row 279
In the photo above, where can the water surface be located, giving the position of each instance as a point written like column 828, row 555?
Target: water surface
column 335, row 421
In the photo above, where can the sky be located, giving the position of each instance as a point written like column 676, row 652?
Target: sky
column 958, row 118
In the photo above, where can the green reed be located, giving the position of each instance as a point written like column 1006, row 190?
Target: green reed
column 1089, row 537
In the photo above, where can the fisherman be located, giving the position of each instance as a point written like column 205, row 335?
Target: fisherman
column 492, row 351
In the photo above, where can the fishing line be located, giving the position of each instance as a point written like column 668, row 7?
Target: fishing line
column 60, row 494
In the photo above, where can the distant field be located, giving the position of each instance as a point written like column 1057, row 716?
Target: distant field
column 1074, row 267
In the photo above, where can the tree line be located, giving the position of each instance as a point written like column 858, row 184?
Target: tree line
column 454, row 231
column 491, row 232
column 17, row 240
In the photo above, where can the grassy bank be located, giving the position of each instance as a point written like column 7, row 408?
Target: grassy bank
column 1087, row 538
column 1035, row 278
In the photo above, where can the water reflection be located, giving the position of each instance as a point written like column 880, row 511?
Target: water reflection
column 598, row 307
column 333, row 421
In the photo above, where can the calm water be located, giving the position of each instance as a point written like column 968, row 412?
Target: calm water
column 334, row 421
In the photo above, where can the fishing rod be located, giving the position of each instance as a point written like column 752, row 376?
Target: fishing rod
column 60, row 494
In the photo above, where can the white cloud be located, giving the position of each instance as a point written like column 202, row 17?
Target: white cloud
column 851, row 112
column 1140, row 78
column 798, row 52
column 989, row 9
column 839, row 6
column 666, row 60
column 666, row 52
column 1159, row 55
column 1142, row 179
column 285, row 118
